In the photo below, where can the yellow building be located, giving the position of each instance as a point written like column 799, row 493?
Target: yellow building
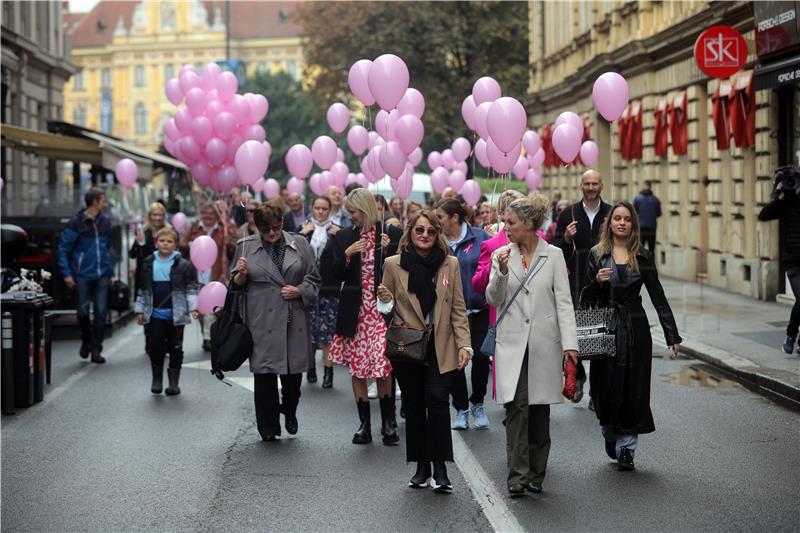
column 128, row 50
column 710, row 196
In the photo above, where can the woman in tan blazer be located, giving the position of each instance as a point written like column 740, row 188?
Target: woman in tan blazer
column 534, row 337
column 421, row 287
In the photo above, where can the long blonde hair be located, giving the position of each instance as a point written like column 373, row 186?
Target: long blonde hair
column 606, row 244
column 362, row 200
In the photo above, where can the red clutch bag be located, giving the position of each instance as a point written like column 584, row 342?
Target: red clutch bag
column 570, row 374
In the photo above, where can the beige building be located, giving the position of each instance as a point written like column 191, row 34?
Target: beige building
column 128, row 50
column 710, row 196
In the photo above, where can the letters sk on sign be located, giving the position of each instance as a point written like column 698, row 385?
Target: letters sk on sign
column 720, row 51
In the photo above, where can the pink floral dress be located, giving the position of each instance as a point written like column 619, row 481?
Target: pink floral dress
column 364, row 353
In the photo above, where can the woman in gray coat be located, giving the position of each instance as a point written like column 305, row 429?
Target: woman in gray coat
column 280, row 275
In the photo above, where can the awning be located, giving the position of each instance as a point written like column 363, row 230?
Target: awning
column 50, row 145
column 778, row 73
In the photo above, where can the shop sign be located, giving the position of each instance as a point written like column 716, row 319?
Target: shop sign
column 777, row 27
column 720, row 51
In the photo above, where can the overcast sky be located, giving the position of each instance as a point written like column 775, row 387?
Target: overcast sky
column 79, row 6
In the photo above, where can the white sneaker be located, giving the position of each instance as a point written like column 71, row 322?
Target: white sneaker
column 372, row 390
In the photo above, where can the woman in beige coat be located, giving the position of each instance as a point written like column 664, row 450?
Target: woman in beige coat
column 534, row 337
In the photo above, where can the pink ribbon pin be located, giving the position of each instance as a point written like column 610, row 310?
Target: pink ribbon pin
column 445, row 281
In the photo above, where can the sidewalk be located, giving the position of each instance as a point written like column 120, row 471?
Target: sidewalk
column 739, row 335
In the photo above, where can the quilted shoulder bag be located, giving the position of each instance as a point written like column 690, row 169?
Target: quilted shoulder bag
column 407, row 345
column 596, row 328
column 487, row 347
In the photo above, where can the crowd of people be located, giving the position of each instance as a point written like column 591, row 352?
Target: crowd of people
column 336, row 278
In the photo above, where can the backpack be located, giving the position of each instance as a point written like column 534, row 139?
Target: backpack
column 231, row 341
column 119, row 296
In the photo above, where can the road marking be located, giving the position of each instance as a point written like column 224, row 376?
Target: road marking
column 489, row 498
column 248, row 383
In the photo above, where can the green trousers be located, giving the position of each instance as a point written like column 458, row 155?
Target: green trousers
column 527, row 435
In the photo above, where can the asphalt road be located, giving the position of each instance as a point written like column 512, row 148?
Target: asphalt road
column 103, row 454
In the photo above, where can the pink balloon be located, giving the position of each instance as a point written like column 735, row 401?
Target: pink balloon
column 589, row 152
column 183, row 120
column 227, row 178
column 434, row 160
column 392, row 159
column 209, row 75
column 254, row 132
column 215, row 151
column 481, row 117
column 339, row 172
column 480, row 153
column 340, row 155
column 299, row 161
column 506, row 122
column 323, row 150
column 468, row 112
column 295, row 185
column 173, row 91
column 383, row 127
column 240, row 109
column 227, row 84
column 388, row 81
column 457, row 179
column 357, row 79
column 196, row 101
column 201, row 173
column 520, row 168
column 571, row 118
column 171, row 130
column 501, row 161
column 409, row 132
column 186, row 68
column 179, row 222
column 374, row 139
column 358, row 139
column 485, row 89
column 412, row 103
column 269, row 149
column 462, row 166
column 258, row 186
column 203, row 253
column 461, row 149
column 338, row 117
column 374, row 163
column 213, row 109
column 251, row 161
column 538, row 158
column 610, row 95
column 190, row 150
column 533, row 179
column 271, row 188
column 530, row 141
column 211, row 297
column 188, row 80
column 127, row 172
column 225, row 124
column 471, row 192
column 415, row 157
column 362, row 180
column 448, row 160
column 567, row 142
column 259, row 107
column 439, row 179
column 366, row 170
column 232, row 146
column 315, row 184
column 202, row 130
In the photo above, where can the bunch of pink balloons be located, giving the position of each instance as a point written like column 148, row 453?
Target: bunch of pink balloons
column 212, row 123
column 449, row 169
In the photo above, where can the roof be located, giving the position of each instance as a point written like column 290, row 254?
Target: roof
column 71, row 20
column 249, row 20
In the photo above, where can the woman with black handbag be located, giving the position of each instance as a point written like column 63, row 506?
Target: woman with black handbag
column 279, row 273
column 620, row 386
column 422, row 291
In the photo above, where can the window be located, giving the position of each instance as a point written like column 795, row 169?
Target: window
column 169, row 72
column 138, row 76
column 79, row 116
column 291, row 68
column 77, row 81
column 140, row 119
column 261, row 67
column 105, row 78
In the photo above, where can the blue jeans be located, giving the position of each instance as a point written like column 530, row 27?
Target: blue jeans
column 622, row 441
column 94, row 292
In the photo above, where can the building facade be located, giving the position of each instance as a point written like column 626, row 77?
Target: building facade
column 126, row 51
column 35, row 68
column 709, row 146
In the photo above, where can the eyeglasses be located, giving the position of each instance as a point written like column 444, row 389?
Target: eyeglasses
column 420, row 230
column 277, row 227
column 251, row 210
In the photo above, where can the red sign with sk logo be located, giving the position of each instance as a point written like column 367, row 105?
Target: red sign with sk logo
column 720, row 51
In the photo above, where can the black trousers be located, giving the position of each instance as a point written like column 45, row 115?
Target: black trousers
column 162, row 337
column 426, row 395
column 794, row 319
column 478, row 326
column 268, row 407
column 648, row 238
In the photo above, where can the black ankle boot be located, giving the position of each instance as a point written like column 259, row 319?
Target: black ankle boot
column 174, row 375
column 440, row 483
column 327, row 378
column 364, row 433
column 388, row 422
column 422, row 477
column 158, row 378
column 311, row 375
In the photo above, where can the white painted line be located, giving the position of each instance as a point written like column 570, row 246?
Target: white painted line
column 491, row 501
column 247, row 383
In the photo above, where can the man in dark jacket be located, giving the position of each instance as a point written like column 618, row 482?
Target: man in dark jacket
column 578, row 230
column 648, row 208
column 87, row 263
column 785, row 206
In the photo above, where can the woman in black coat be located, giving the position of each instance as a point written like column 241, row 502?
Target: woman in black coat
column 620, row 387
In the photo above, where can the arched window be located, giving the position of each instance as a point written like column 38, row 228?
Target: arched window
column 79, row 116
column 140, row 119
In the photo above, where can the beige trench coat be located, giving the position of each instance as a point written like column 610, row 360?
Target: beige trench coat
column 541, row 319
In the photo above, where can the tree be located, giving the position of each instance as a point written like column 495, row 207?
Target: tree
column 446, row 45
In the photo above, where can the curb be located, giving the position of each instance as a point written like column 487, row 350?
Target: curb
column 780, row 385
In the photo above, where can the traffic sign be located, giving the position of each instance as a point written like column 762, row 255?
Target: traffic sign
column 720, row 51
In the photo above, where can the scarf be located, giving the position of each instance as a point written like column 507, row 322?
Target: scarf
column 422, row 275
column 320, row 236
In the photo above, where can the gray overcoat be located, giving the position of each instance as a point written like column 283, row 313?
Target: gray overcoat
column 279, row 346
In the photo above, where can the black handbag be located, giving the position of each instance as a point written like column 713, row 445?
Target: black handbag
column 119, row 296
column 231, row 341
column 407, row 345
column 597, row 331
